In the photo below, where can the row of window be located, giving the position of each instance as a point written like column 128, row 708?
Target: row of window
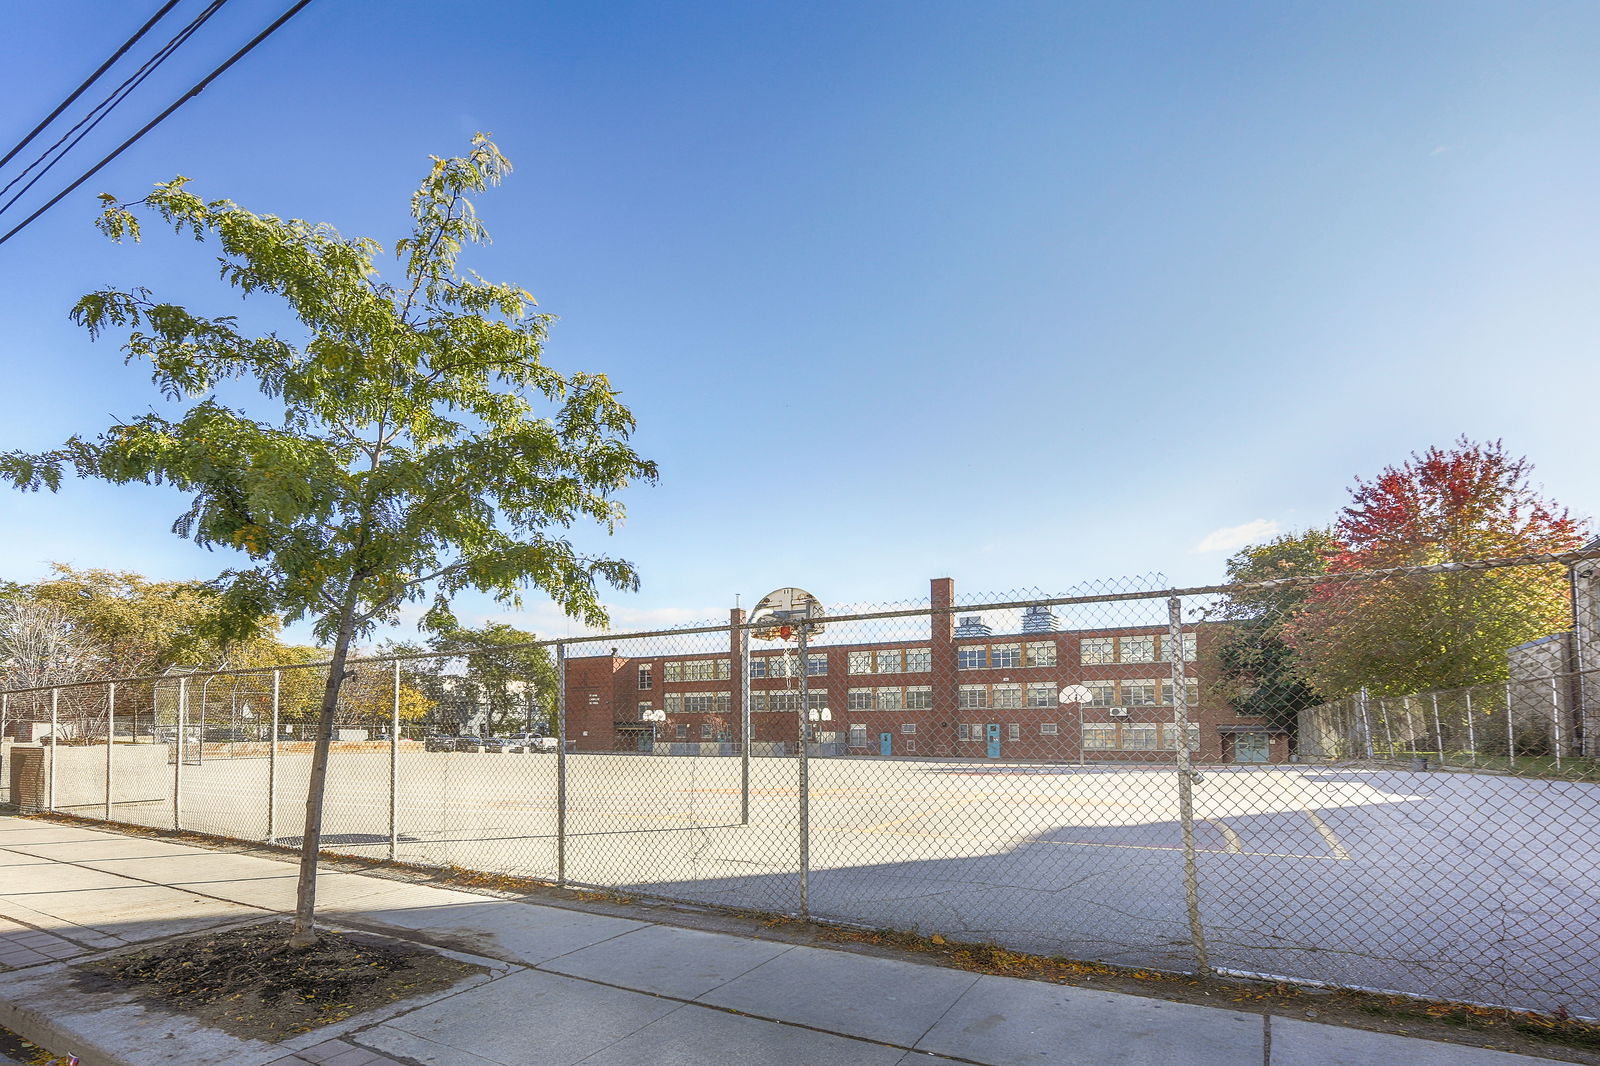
column 1148, row 648
column 1140, row 692
column 891, row 698
column 1117, row 737
column 1150, row 692
column 1137, row 736
column 1005, row 656
column 1093, row 651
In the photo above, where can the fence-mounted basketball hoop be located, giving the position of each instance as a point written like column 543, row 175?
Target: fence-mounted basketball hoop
column 781, row 614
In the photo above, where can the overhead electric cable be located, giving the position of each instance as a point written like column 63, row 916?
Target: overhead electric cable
column 198, row 88
column 106, row 106
column 118, row 54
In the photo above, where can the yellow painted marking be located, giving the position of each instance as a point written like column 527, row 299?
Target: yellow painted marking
column 1235, row 845
column 916, row 817
column 1335, row 845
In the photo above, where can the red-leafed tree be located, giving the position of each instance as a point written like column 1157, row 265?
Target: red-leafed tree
column 1411, row 634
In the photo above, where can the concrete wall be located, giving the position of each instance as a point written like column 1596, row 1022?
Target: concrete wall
column 141, row 773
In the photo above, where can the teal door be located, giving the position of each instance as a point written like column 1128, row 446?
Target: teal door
column 885, row 743
column 1250, row 747
column 993, row 732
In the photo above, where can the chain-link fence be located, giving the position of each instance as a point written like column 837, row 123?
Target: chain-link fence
column 1384, row 780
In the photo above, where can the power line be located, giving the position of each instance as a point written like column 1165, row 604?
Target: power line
column 196, row 90
column 103, row 109
column 118, row 54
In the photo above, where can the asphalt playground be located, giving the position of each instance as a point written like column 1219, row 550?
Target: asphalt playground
column 1451, row 884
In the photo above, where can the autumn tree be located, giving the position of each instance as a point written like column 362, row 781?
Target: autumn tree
column 1256, row 670
column 1408, row 634
column 409, row 442
column 496, row 671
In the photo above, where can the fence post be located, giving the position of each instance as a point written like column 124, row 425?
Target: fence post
column 1555, row 720
column 1388, row 734
column 561, row 765
column 743, row 638
column 177, row 753
column 394, row 768
column 1472, row 730
column 1511, row 733
column 5, row 714
column 1438, row 730
column 272, row 764
column 55, row 745
column 1366, row 722
column 111, row 734
column 1186, row 776
column 805, row 774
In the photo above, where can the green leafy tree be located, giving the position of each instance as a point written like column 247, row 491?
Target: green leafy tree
column 418, row 444
column 504, row 675
column 1257, row 670
column 1416, row 633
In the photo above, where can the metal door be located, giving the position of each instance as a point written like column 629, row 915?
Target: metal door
column 885, row 743
column 1250, row 747
column 993, row 730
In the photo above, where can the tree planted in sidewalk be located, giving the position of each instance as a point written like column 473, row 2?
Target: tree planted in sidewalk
column 417, row 444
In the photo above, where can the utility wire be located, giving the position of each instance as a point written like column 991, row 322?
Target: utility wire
column 118, row 54
column 106, row 106
column 198, row 88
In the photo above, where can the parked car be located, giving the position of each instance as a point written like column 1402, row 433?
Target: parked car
column 438, row 742
column 502, row 744
column 468, row 743
column 531, row 742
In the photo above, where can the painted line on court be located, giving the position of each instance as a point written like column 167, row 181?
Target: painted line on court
column 1235, row 845
column 1335, row 845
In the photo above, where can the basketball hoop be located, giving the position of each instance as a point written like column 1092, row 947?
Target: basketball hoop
column 781, row 615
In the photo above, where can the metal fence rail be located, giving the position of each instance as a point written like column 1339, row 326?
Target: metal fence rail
column 1128, row 775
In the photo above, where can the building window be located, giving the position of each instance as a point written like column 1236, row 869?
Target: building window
column 963, row 732
column 674, row 702
column 1013, row 731
column 1101, row 737
column 919, row 660
column 1105, row 693
column 1139, row 693
column 816, row 699
column 858, row 736
column 911, row 747
column 972, row 657
column 859, row 662
column 1169, row 737
column 1039, row 653
column 1188, row 648
column 908, row 727
column 758, row 666
column 775, row 701
column 697, row 670
column 1191, row 690
column 860, row 699
column 968, row 696
column 1042, row 694
column 704, row 702
column 683, row 732
column 1005, row 656
column 705, row 731
column 817, row 664
column 890, row 699
column 1047, row 729
column 1005, row 695
column 643, row 707
column 646, row 681
column 919, row 697
column 1097, row 651
column 1138, row 737
column 1138, row 649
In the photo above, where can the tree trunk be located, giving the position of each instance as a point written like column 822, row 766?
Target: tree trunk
column 304, row 932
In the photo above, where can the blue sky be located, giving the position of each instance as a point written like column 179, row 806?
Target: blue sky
column 1023, row 294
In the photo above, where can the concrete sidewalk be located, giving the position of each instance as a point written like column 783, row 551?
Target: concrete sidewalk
column 566, row 987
